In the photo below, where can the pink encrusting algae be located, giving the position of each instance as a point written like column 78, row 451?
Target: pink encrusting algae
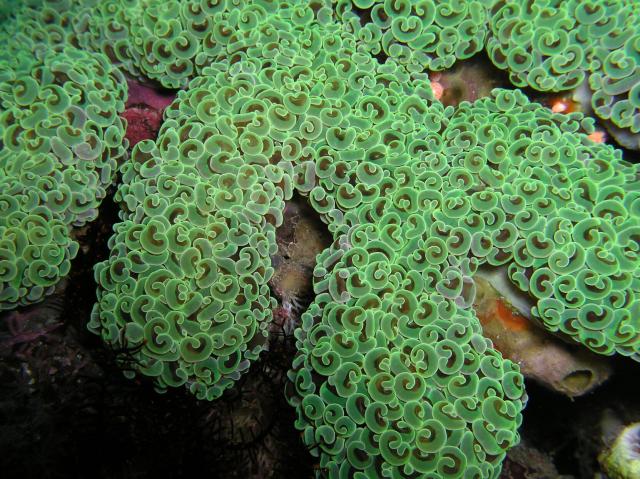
column 144, row 109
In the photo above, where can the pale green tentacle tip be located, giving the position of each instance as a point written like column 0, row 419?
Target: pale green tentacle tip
column 622, row 460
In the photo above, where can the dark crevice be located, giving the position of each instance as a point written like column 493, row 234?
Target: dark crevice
column 363, row 13
column 381, row 56
column 300, row 238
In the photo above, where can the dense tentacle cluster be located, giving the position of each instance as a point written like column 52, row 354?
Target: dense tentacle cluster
column 46, row 22
column 541, row 44
column 165, row 41
column 428, row 34
column 547, row 45
column 237, row 143
column 61, row 142
column 185, row 285
column 554, row 45
column 615, row 78
column 173, row 40
column 232, row 149
column 106, row 28
column 416, row 197
column 393, row 377
column 7, row 7
column 559, row 210
column 519, row 186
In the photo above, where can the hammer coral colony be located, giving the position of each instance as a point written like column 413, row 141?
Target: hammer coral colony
column 331, row 100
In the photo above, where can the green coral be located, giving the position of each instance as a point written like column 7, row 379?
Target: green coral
column 547, row 45
column 174, row 39
column 393, row 377
column 615, row 78
column 564, row 216
column 165, row 41
column 186, row 280
column 8, row 7
column 518, row 185
column 45, row 22
column 11, row 7
column 185, row 284
column 61, row 141
column 171, row 42
column 106, row 28
column 93, row 25
column 424, row 34
column 542, row 44
column 200, row 208
column 553, row 45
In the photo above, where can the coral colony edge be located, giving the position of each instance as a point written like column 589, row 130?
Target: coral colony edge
column 427, row 204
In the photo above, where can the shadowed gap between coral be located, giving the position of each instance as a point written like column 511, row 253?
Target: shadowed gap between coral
column 300, row 238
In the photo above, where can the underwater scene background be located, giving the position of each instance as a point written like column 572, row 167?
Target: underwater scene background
column 327, row 238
